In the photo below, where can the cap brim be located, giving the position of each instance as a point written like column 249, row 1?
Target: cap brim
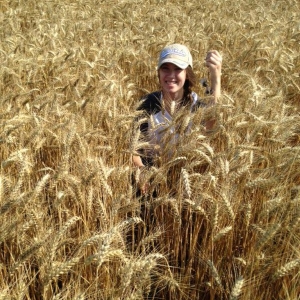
column 181, row 64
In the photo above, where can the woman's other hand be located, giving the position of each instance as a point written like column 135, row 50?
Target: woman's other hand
column 213, row 62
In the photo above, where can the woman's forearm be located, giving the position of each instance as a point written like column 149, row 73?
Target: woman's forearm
column 216, row 88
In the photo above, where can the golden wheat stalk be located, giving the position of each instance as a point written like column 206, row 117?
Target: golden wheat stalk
column 8, row 230
column 222, row 233
column 214, row 273
column 103, row 177
column 25, row 256
column 268, row 235
column 195, row 207
column 186, row 183
column 40, row 186
column 3, row 187
column 228, row 207
column 62, row 268
column 215, row 216
column 148, row 240
column 60, row 234
column 4, row 294
column 287, row 269
column 127, row 271
column 175, row 209
column 102, row 211
column 237, row 288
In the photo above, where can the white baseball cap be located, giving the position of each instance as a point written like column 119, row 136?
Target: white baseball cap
column 176, row 54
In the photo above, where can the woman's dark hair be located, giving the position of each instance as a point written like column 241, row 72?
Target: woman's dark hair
column 191, row 80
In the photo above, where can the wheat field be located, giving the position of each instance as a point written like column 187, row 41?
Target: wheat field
column 225, row 220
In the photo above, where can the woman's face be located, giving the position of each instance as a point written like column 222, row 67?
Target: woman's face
column 172, row 79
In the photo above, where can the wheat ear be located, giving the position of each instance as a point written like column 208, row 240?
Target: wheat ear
column 287, row 268
column 194, row 207
column 214, row 273
column 62, row 231
column 237, row 288
column 186, row 183
column 222, row 233
column 228, row 207
column 62, row 268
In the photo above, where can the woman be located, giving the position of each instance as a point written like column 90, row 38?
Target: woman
column 176, row 78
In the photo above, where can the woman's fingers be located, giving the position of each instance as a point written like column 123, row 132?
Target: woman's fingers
column 145, row 188
column 213, row 62
column 213, row 57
